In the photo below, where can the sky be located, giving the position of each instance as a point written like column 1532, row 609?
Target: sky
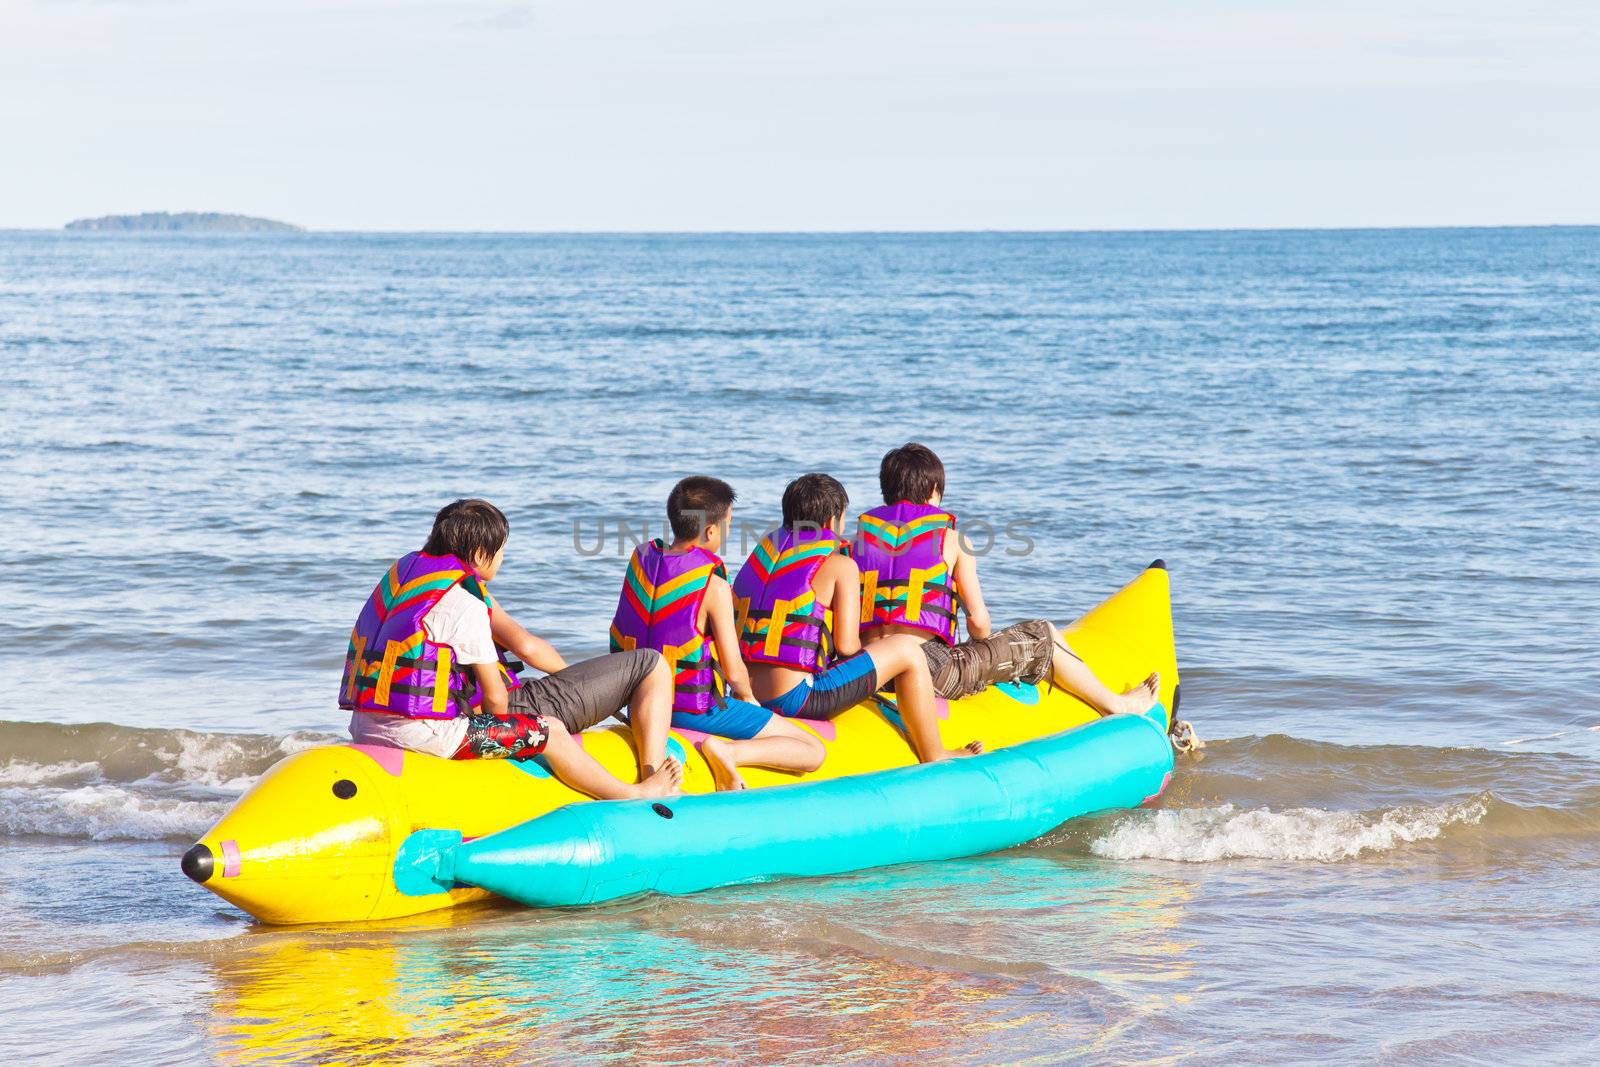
column 823, row 115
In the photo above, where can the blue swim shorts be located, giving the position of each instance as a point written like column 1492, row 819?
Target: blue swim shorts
column 822, row 696
column 736, row 720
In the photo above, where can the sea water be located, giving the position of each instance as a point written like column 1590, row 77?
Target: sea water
column 1370, row 459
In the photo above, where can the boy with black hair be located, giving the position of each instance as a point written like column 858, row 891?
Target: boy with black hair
column 676, row 599
column 916, row 574
column 799, row 599
column 428, row 670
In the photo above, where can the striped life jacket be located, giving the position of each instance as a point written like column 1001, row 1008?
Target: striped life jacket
column 780, row 621
column 904, row 578
column 391, row 666
column 660, row 608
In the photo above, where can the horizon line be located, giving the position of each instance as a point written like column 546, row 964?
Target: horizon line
column 818, row 232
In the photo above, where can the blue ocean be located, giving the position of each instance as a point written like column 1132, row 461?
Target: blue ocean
column 1370, row 459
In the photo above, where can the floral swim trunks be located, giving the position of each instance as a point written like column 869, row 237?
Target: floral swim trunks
column 513, row 736
column 577, row 697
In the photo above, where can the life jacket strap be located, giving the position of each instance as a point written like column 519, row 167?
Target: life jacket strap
column 931, row 609
column 353, row 665
column 442, row 681
column 825, row 645
column 719, row 682
column 921, row 583
column 915, row 598
column 869, row 594
column 391, row 652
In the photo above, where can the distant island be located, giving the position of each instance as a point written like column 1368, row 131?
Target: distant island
column 184, row 221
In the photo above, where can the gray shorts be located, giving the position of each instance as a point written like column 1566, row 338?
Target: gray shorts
column 1019, row 653
column 586, row 693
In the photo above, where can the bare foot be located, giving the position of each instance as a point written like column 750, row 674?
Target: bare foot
column 724, row 771
column 1141, row 698
column 664, row 782
column 971, row 748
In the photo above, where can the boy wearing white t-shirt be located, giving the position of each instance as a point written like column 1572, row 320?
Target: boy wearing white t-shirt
column 439, row 679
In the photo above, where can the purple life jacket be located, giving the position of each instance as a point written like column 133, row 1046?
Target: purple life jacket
column 659, row 608
column 904, row 578
column 780, row 621
column 391, row 666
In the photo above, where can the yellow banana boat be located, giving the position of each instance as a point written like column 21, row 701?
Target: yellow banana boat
column 316, row 839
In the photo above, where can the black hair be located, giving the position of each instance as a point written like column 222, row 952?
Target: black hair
column 911, row 472
column 696, row 503
column 468, row 529
column 813, row 500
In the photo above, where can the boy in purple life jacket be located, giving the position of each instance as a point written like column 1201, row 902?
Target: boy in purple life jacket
column 915, row 575
column 799, row 600
column 428, row 670
column 676, row 599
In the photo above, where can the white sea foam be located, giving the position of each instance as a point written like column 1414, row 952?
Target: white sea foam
column 104, row 812
column 216, row 762
column 1535, row 737
column 146, row 785
column 20, row 772
column 1201, row 835
column 304, row 739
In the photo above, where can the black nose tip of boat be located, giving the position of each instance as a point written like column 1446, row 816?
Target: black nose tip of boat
column 197, row 863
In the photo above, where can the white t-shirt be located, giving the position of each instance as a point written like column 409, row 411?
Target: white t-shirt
column 461, row 621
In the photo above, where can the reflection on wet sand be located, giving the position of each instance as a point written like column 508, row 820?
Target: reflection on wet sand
column 797, row 971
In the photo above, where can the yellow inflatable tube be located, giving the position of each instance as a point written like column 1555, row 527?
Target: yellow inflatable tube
column 315, row 840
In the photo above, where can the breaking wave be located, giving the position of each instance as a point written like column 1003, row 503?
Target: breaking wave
column 101, row 782
column 1296, row 800
column 1271, row 798
column 1202, row 835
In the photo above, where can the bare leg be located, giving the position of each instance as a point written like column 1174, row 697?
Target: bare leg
column 900, row 657
column 650, row 717
column 781, row 745
column 1074, row 675
column 581, row 771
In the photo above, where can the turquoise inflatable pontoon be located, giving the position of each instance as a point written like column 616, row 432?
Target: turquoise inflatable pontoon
column 593, row 852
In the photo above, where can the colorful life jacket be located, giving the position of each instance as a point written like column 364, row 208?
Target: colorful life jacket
column 660, row 608
column 904, row 578
column 391, row 666
column 780, row 621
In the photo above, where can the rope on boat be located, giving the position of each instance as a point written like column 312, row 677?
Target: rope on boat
column 1184, row 739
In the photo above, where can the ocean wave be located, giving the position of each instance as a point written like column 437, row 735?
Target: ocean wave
column 1274, row 797
column 1280, row 772
column 104, row 782
column 1204, row 835
column 104, row 812
column 132, row 754
column 21, row 772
